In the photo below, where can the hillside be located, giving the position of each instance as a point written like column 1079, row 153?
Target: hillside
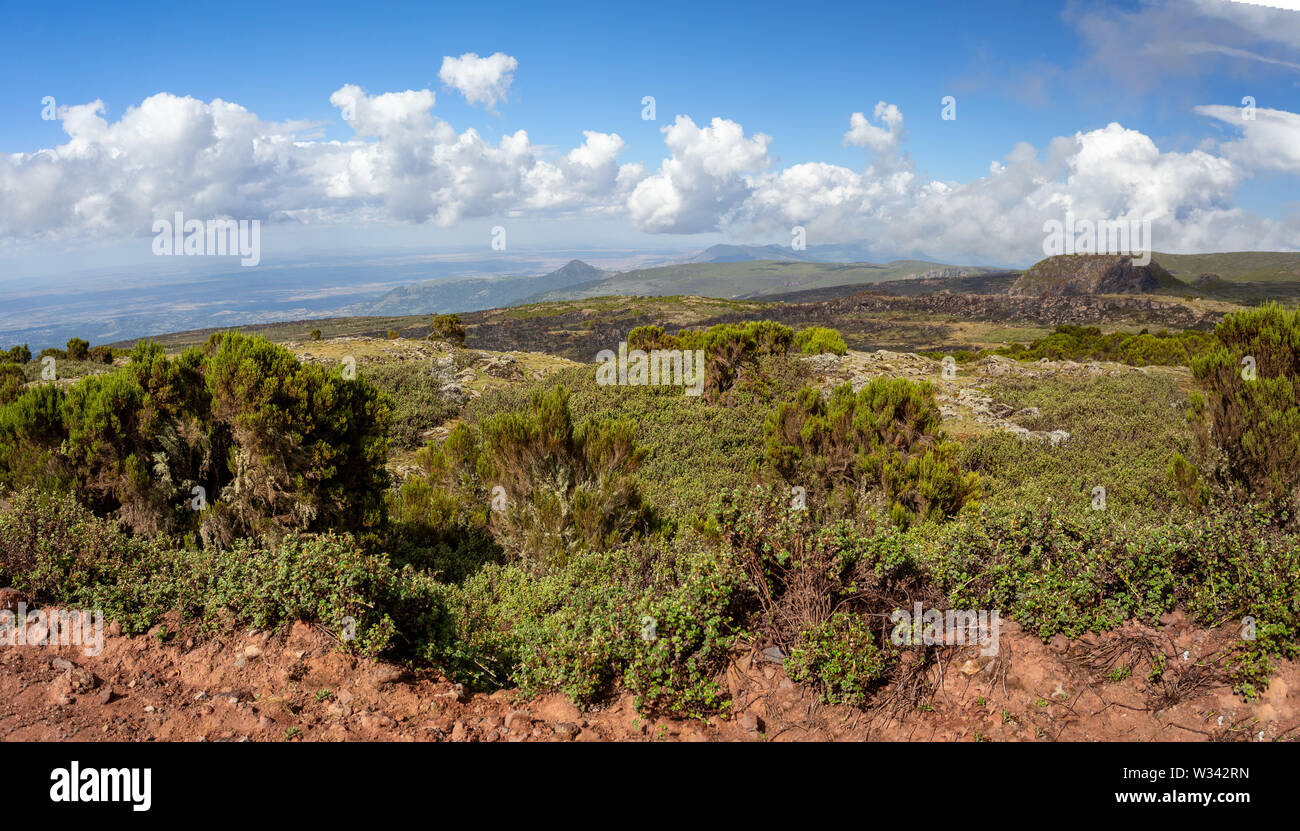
column 479, row 292
column 1235, row 266
column 751, row 278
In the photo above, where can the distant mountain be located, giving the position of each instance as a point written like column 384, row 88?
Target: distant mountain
column 1074, row 274
column 748, row 253
column 472, row 294
column 845, row 253
column 749, row 279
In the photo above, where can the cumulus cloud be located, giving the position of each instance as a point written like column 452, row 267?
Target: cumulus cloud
column 862, row 133
column 217, row 159
column 481, row 80
column 704, row 179
column 403, row 163
column 1108, row 173
column 1270, row 138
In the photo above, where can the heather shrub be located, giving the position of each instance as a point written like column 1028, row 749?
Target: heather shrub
column 448, row 328
column 275, row 445
column 1246, row 417
column 553, row 488
column 818, row 340
column 12, row 380
column 886, row 439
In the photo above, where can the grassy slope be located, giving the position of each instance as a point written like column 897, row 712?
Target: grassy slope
column 754, row 278
column 1246, row 266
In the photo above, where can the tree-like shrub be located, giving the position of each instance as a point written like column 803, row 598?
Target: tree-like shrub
column 78, row 349
column 16, row 355
column 552, row 488
column 274, row 445
column 448, row 328
column 885, row 438
column 12, row 381
column 1246, row 415
column 731, row 350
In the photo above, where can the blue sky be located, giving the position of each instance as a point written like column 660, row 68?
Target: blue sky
column 1020, row 71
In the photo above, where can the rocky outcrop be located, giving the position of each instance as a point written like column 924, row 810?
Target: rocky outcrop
column 1081, row 274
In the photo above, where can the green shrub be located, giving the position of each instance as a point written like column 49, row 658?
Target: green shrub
column 12, row 381
column 555, row 489
column 1248, row 428
column 448, row 328
column 1082, row 343
column 840, row 657
column 732, row 351
column 416, row 400
column 818, row 340
column 276, row 445
column 885, row 437
column 659, row 620
column 57, row 551
column 78, row 349
column 1123, row 432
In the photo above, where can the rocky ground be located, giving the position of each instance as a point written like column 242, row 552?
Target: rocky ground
column 960, row 389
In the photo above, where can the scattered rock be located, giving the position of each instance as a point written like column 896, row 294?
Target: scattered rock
column 750, row 723
column 10, row 598
column 518, row 720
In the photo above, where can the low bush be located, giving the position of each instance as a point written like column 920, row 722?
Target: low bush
column 818, row 340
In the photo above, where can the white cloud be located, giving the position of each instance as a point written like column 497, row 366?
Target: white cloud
column 1184, row 38
column 217, row 159
column 1109, row 173
column 862, row 133
column 1270, row 140
column 404, row 164
column 704, row 179
column 481, row 80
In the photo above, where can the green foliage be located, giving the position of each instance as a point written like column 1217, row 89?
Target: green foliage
column 1248, row 428
column 558, row 489
column 78, row 349
column 732, row 351
column 817, row 340
column 1059, row 574
column 448, row 328
column 840, row 656
column 1124, row 430
column 16, row 355
column 12, row 380
column 887, row 437
column 416, row 400
column 56, row 550
column 1087, row 343
column 276, row 445
column 308, row 446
